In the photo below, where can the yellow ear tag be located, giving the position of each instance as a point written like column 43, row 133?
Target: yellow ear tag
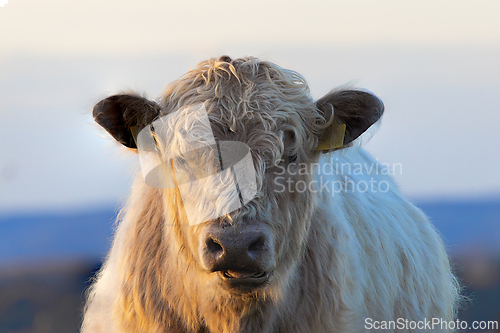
column 133, row 130
column 333, row 138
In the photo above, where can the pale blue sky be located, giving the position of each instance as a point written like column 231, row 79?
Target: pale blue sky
column 434, row 64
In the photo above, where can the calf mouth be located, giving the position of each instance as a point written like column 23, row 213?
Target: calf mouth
column 243, row 280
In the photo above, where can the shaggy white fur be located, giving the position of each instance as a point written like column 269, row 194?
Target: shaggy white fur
column 345, row 254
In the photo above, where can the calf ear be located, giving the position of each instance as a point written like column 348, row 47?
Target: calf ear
column 119, row 113
column 353, row 111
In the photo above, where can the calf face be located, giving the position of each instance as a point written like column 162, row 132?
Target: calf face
column 269, row 109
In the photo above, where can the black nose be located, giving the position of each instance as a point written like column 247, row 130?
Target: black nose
column 245, row 248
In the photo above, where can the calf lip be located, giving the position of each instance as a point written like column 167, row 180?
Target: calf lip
column 243, row 279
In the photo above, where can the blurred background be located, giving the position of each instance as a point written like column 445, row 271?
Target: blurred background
column 435, row 64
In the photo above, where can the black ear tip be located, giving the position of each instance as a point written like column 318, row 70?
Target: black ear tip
column 378, row 102
column 107, row 107
column 378, row 105
column 99, row 109
column 371, row 103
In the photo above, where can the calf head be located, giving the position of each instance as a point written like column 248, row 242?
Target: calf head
column 241, row 242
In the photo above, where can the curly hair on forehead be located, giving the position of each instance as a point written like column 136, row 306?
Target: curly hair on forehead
column 248, row 93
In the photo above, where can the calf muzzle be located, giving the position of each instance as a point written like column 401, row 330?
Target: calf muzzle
column 242, row 255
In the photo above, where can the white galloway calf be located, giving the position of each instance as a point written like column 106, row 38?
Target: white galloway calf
column 253, row 213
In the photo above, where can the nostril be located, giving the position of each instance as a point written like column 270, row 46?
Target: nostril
column 213, row 246
column 257, row 246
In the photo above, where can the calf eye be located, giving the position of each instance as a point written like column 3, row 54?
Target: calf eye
column 292, row 158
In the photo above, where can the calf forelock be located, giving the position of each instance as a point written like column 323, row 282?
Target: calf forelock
column 256, row 102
